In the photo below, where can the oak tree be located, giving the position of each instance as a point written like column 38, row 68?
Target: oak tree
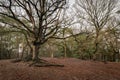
column 38, row 19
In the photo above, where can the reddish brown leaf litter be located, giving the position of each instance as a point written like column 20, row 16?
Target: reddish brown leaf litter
column 74, row 69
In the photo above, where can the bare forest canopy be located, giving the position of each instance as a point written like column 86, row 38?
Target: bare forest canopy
column 84, row 29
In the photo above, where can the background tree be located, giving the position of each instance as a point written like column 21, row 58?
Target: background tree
column 96, row 13
column 10, row 40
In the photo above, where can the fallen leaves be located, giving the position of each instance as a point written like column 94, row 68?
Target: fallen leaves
column 74, row 69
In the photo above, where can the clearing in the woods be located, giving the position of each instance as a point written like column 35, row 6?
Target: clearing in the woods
column 74, row 69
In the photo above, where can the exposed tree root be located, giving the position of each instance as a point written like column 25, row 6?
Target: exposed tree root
column 16, row 60
column 45, row 65
column 38, row 63
column 42, row 61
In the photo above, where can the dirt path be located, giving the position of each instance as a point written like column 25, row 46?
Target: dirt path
column 74, row 69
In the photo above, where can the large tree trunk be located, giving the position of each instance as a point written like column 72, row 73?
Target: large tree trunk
column 35, row 52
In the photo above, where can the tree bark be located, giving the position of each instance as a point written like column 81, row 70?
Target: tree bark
column 96, row 44
column 35, row 53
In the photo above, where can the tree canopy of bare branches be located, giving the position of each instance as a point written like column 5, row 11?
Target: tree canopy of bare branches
column 38, row 19
column 96, row 13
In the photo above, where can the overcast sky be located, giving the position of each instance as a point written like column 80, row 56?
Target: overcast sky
column 71, row 2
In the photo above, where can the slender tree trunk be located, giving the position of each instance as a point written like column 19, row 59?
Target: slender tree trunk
column 65, row 52
column 52, row 55
column 65, row 49
column 96, row 45
column 96, row 42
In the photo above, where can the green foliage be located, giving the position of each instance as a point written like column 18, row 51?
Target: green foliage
column 76, row 56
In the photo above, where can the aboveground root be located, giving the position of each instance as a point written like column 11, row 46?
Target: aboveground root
column 44, row 63
column 38, row 63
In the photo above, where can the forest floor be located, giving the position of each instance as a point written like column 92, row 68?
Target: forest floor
column 74, row 69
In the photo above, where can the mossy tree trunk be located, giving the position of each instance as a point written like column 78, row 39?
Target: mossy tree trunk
column 35, row 53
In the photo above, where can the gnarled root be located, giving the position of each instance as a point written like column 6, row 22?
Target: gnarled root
column 16, row 60
column 44, row 63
